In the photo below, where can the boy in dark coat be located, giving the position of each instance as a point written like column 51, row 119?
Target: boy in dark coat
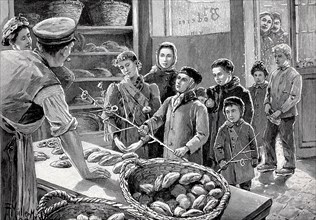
column 232, row 137
column 227, row 85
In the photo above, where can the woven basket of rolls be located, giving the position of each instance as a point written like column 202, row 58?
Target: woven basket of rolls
column 168, row 190
column 57, row 205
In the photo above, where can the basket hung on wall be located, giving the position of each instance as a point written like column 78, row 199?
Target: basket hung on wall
column 65, row 8
column 110, row 13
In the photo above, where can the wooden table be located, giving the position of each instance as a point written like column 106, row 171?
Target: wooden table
column 242, row 204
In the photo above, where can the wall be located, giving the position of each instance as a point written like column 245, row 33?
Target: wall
column 5, row 14
column 198, row 51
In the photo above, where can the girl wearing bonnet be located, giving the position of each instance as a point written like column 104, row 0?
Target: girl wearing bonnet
column 16, row 33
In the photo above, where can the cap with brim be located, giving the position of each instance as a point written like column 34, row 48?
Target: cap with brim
column 193, row 73
column 55, row 31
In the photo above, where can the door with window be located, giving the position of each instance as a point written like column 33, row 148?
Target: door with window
column 293, row 22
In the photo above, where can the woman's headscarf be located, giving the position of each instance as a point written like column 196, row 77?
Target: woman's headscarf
column 174, row 50
column 10, row 28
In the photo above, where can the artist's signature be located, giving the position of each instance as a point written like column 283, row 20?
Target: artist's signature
column 11, row 213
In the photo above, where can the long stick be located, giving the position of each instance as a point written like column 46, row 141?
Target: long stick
column 134, row 125
column 220, row 169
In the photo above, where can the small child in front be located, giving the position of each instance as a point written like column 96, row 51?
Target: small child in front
column 231, row 138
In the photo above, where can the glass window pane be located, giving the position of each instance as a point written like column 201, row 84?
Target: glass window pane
column 306, row 33
column 274, row 26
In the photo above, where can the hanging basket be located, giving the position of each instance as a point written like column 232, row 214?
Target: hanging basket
column 57, row 205
column 110, row 13
column 146, row 172
column 65, row 8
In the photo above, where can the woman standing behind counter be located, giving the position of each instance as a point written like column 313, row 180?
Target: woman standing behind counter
column 16, row 33
column 136, row 101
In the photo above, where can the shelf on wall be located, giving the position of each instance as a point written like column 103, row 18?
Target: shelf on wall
column 92, row 79
column 104, row 29
column 95, row 53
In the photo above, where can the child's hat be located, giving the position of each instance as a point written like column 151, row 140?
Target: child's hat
column 234, row 100
column 191, row 72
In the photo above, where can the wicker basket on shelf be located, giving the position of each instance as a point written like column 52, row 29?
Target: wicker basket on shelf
column 135, row 173
column 57, row 205
column 65, row 8
column 110, row 13
column 33, row 18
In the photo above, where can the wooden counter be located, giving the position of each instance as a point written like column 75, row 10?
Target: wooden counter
column 242, row 204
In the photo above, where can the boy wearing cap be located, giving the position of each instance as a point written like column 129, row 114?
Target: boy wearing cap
column 30, row 91
column 185, row 119
column 231, row 138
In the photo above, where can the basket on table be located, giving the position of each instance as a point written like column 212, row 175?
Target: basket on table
column 65, row 8
column 69, row 207
column 144, row 172
column 110, row 13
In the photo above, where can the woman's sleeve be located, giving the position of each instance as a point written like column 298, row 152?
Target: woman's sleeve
column 249, row 111
column 154, row 102
column 56, row 110
column 149, row 77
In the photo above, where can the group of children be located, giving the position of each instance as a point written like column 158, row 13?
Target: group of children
column 221, row 127
column 253, row 118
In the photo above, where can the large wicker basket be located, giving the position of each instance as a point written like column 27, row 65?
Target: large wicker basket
column 65, row 8
column 146, row 171
column 110, row 13
column 69, row 207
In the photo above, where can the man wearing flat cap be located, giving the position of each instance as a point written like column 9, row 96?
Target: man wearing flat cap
column 185, row 119
column 30, row 91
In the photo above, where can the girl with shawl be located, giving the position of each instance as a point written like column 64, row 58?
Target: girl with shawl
column 136, row 101
column 164, row 75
